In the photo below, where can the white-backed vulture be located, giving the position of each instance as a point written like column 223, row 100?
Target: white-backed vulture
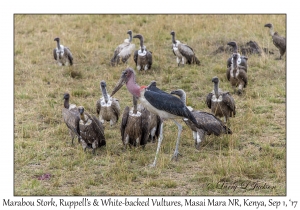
column 237, row 75
column 108, row 108
column 242, row 60
column 123, row 51
column 71, row 118
column 184, row 53
column 278, row 41
column 91, row 130
column 142, row 57
column 135, row 126
column 62, row 54
column 208, row 121
column 221, row 103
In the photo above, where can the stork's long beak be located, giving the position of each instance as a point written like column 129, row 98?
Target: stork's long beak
column 118, row 86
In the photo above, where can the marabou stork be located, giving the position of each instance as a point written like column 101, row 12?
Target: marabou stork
column 165, row 105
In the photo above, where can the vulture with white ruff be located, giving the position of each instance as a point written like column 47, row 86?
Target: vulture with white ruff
column 108, row 108
column 221, row 103
column 242, row 60
column 91, row 130
column 185, row 54
column 62, row 54
column 278, row 41
column 212, row 124
column 135, row 125
column 237, row 75
column 142, row 57
column 123, row 51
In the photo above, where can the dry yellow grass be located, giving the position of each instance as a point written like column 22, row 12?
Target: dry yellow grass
column 254, row 153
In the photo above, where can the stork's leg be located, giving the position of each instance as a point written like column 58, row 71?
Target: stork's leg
column 158, row 145
column 176, row 153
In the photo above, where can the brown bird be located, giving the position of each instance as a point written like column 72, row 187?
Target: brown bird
column 62, row 54
column 91, row 130
column 242, row 60
column 210, row 122
column 184, row 53
column 108, row 108
column 278, row 41
column 71, row 118
column 237, row 75
column 135, row 126
column 142, row 57
column 221, row 103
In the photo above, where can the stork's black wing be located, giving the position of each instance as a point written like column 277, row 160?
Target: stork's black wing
column 169, row 103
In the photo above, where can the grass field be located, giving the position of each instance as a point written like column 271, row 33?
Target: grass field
column 253, row 158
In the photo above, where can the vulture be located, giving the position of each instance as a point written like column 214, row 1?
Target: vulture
column 123, row 51
column 108, row 108
column 278, row 41
column 91, row 130
column 237, row 75
column 184, row 53
column 221, row 103
column 242, row 60
column 71, row 118
column 212, row 124
column 135, row 126
column 62, row 54
column 142, row 57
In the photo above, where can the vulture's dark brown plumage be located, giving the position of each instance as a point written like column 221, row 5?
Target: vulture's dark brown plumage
column 184, row 53
column 221, row 103
column 71, row 118
column 135, row 126
column 278, row 41
column 237, row 75
column 62, row 54
column 108, row 108
column 242, row 60
column 91, row 130
column 142, row 57
column 210, row 123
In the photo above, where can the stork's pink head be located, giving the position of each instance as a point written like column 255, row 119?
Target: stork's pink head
column 126, row 75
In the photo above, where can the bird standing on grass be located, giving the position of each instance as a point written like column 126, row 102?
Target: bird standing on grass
column 158, row 102
column 123, row 51
column 278, row 41
column 184, row 53
column 221, row 103
column 62, row 54
column 242, row 60
column 212, row 124
column 91, row 130
column 108, row 108
column 71, row 118
column 142, row 57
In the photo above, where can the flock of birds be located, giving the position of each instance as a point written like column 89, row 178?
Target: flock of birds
column 144, row 122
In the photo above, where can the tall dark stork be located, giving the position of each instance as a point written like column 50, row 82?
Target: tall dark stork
column 278, row 41
column 142, row 57
column 242, row 60
column 123, row 51
column 184, row 53
column 158, row 102
column 221, row 103
column 62, row 54
column 108, row 108
column 212, row 124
